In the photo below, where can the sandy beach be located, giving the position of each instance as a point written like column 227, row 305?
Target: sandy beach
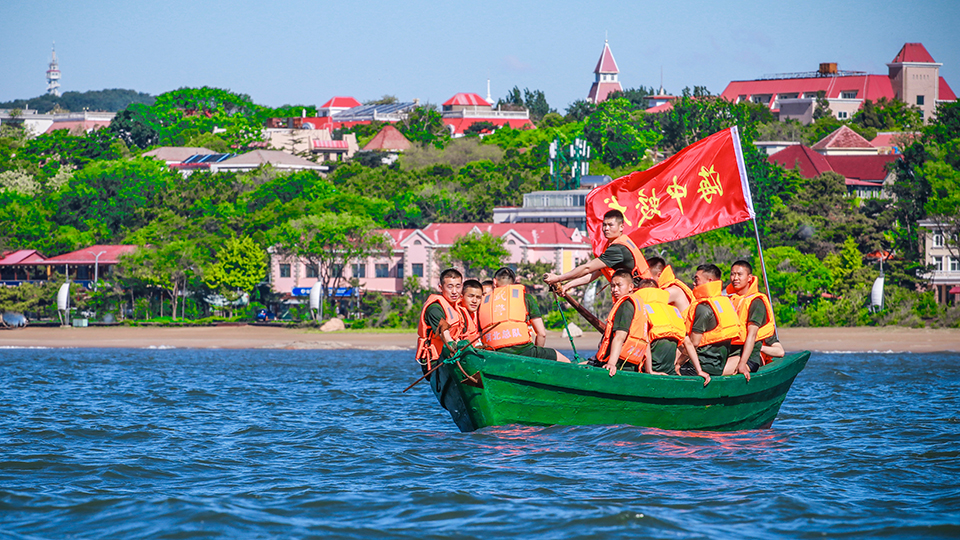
column 889, row 339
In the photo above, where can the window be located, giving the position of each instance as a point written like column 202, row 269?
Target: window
column 954, row 264
column 851, row 94
column 842, row 114
column 400, row 270
column 937, row 239
column 284, row 270
column 312, row 270
column 417, row 269
column 337, row 270
column 360, row 270
column 381, row 270
column 938, row 264
column 919, row 100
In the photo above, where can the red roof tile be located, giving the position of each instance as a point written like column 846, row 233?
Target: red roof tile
column 843, row 137
column 810, row 163
column 663, row 107
column 466, row 98
column 341, row 101
column 606, row 63
column 460, row 125
column 946, row 93
column 389, row 138
column 88, row 255
column 23, row 256
column 872, row 87
column 318, row 144
column 78, row 125
column 600, row 91
column 913, row 52
column 865, row 168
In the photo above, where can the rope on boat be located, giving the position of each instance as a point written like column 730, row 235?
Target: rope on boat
column 566, row 327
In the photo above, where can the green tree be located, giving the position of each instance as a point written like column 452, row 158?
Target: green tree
column 822, row 108
column 239, row 266
column 889, row 115
column 579, row 110
column 636, row 96
column 613, row 135
column 330, row 241
column 478, row 254
column 117, row 194
column 536, row 102
column 425, row 126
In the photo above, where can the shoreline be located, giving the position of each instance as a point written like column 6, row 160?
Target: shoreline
column 854, row 339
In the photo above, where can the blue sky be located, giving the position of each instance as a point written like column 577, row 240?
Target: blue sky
column 304, row 52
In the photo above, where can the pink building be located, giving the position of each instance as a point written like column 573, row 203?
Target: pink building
column 416, row 252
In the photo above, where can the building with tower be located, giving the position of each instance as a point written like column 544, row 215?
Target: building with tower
column 607, row 75
column 53, row 75
column 913, row 77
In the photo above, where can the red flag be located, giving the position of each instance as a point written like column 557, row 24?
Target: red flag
column 701, row 188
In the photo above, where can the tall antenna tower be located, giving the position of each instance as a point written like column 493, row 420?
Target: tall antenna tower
column 53, row 75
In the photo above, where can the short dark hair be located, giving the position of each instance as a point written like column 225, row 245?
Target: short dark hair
column 472, row 284
column 615, row 214
column 487, row 283
column 648, row 284
column 657, row 262
column 711, row 270
column 450, row 272
column 505, row 274
column 622, row 273
column 743, row 264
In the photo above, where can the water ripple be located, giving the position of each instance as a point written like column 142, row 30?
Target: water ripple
column 261, row 444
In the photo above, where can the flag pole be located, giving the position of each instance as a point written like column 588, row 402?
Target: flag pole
column 741, row 164
column 763, row 266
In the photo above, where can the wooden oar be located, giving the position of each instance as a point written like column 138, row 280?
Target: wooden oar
column 594, row 321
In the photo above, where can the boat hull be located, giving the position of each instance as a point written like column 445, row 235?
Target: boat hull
column 531, row 391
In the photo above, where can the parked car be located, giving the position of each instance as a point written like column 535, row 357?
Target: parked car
column 264, row 315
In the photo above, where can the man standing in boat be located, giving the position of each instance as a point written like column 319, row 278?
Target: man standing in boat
column 680, row 295
column 504, row 316
column 756, row 315
column 621, row 253
column 441, row 322
column 624, row 342
column 712, row 323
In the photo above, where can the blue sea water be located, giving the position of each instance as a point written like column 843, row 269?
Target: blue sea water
column 307, row 444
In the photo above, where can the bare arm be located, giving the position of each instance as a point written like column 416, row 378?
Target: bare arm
column 580, row 271
column 690, row 346
column 616, row 345
column 540, row 330
column 677, row 298
column 748, row 344
column 775, row 350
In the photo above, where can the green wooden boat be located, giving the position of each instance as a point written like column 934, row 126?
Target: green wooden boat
column 506, row 389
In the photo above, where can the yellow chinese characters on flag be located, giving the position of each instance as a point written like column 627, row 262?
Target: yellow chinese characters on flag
column 701, row 188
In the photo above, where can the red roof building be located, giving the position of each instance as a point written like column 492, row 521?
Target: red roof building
column 389, row 139
column 913, row 77
column 606, row 80
column 865, row 174
column 99, row 254
column 465, row 109
column 337, row 104
column 844, row 141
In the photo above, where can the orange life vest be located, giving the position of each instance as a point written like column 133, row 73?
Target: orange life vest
column 728, row 323
column 640, row 268
column 666, row 321
column 471, row 324
column 503, row 316
column 668, row 278
column 742, row 303
column 429, row 345
column 636, row 342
